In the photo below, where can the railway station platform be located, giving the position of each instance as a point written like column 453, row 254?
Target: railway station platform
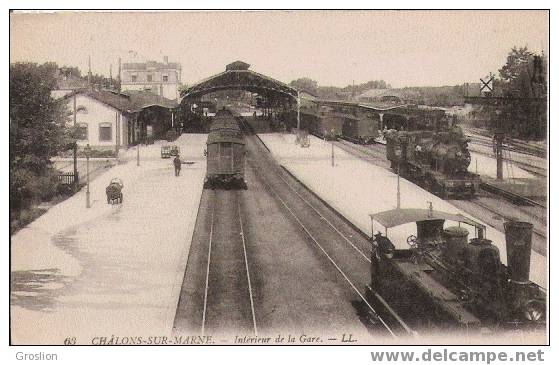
column 356, row 189
column 110, row 270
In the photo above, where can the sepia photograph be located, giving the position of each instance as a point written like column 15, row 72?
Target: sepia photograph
column 278, row 177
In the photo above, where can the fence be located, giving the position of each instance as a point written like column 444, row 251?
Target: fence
column 68, row 178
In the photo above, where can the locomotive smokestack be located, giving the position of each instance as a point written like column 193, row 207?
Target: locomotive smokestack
column 519, row 249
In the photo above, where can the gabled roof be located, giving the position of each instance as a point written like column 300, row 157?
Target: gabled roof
column 129, row 102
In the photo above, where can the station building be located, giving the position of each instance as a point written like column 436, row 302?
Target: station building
column 111, row 120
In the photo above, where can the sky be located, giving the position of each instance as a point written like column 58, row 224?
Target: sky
column 335, row 48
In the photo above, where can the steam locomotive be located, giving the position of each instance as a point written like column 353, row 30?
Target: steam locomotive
column 450, row 282
column 436, row 160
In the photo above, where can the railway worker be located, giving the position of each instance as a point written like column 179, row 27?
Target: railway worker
column 177, row 163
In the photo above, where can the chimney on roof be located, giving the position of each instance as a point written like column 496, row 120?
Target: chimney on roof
column 166, row 59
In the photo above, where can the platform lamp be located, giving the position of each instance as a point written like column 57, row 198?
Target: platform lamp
column 87, row 151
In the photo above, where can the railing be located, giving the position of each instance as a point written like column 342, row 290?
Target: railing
column 68, row 178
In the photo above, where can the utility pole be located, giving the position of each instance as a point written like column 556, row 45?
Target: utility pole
column 398, row 189
column 76, row 180
column 117, row 133
column 119, row 77
column 298, row 111
column 87, row 194
column 498, row 141
column 89, row 71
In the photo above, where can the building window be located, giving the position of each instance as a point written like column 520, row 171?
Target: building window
column 134, row 78
column 105, row 132
column 150, row 78
column 82, row 132
column 165, row 78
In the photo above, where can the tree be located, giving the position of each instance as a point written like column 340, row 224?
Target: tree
column 516, row 63
column 524, row 86
column 37, row 129
column 104, row 82
column 305, row 84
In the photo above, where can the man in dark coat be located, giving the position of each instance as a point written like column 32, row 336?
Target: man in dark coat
column 177, row 163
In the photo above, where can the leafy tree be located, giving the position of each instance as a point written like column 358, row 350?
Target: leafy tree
column 70, row 71
column 305, row 84
column 37, row 130
column 517, row 60
column 104, row 82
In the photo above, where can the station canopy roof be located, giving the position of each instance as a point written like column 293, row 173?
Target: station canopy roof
column 237, row 76
column 397, row 217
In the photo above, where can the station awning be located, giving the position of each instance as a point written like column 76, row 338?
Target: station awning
column 397, row 217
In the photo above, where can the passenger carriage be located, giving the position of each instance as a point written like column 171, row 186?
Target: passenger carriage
column 225, row 150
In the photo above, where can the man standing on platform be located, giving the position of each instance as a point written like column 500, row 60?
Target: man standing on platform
column 177, row 163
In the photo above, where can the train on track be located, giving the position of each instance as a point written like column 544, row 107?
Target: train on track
column 225, row 153
column 329, row 124
column 450, row 282
column 435, row 160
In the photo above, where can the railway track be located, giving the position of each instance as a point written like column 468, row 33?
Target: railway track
column 217, row 294
column 535, row 170
column 228, row 287
column 376, row 155
column 500, row 213
column 523, row 205
column 513, row 146
column 515, row 198
column 341, row 247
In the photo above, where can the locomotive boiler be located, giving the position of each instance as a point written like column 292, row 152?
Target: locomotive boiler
column 437, row 161
column 450, row 281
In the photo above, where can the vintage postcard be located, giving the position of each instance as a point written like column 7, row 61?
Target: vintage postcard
column 371, row 177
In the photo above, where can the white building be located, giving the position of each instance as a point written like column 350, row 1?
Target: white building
column 159, row 78
column 102, row 117
column 109, row 120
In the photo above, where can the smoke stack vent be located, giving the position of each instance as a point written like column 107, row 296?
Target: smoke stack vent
column 519, row 249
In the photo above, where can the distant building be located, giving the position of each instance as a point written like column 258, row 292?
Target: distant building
column 158, row 78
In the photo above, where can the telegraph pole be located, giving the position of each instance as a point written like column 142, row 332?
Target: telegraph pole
column 76, row 181
column 298, row 111
column 498, row 140
column 119, row 77
column 87, row 193
column 398, row 189
column 89, row 71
